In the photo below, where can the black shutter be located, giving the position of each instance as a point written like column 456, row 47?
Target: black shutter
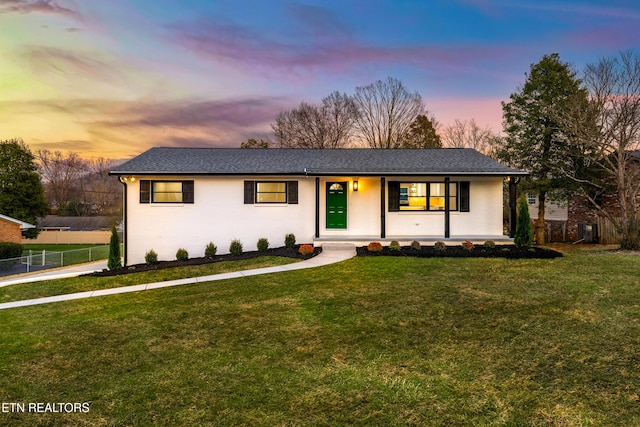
column 394, row 196
column 145, row 191
column 292, row 192
column 187, row 191
column 249, row 192
column 464, row 196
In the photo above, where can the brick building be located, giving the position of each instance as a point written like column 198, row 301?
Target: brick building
column 11, row 229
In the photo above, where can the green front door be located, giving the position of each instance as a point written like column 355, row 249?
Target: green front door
column 336, row 205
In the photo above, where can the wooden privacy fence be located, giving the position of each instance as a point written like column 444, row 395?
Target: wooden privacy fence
column 607, row 234
column 70, row 237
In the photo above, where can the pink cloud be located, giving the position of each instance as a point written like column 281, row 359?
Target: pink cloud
column 36, row 6
column 225, row 42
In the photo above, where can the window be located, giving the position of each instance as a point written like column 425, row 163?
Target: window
column 166, row 191
column 413, row 197
column 271, row 192
column 531, row 199
column 428, row 196
column 265, row 192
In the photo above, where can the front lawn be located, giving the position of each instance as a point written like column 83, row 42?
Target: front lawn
column 370, row 341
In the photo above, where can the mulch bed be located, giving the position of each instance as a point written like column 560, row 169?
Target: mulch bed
column 137, row 268
column 499, row 251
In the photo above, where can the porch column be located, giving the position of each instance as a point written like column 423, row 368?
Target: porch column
column 383, row 225
column 447, row 208
column 317, row 207
column 513, row 202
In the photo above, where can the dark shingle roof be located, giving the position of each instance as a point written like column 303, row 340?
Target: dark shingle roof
column 283, row 161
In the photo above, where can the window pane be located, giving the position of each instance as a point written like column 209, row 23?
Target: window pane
column 167, row 192
column 271, row 198
column 271, row 192
column 272, row 187
column 413, row 197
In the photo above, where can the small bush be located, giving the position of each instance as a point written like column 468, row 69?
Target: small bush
column 263, row 244
column 151, row 257
column 305, row 249
column 468, row 245
column 289, row 241
column 374, row 247
column 394, row 246
column 489, row 244
column 440, row 246
column 182, row 254
column 415, row 245
column 9, row 250
column 210, row 250
column 235, row 248
column 524, row 233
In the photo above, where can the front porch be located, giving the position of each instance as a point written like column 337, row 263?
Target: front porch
column 406, row 240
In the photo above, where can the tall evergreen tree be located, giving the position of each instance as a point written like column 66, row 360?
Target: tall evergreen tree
column 21, row 192
column 535, row 140
column 114, row 262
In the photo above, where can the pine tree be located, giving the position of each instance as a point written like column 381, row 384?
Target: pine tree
column 524, row 234
column 114, row 262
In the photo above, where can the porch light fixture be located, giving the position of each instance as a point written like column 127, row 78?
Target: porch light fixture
column 125, row 179
column 355, row 185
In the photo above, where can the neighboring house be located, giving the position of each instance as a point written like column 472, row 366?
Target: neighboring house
column 11, row 229
column 187, row 197
column 556, row 216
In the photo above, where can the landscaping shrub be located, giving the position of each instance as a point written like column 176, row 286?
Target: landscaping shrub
column 114, row 262
column 9, row 250
column 440, row 246
column 289, row 241
column 263, row 244
column 394, row 246
column 374, row 247
column 210, row 250
column 151, row 257
column 305, row 249
column 468, row 245
column 524, row 234
column 415, row 245
column 489, row 244
column 235, row 248
column 182, row 254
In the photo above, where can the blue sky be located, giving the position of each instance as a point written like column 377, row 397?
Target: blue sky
column 113, row 78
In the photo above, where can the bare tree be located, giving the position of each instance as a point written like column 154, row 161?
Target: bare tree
column 386, row 110
column 60, row 173
column 609, row 148
column 328, row 125
column 468, row 134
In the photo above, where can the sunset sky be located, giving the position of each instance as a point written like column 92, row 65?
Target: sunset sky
column 113, row 78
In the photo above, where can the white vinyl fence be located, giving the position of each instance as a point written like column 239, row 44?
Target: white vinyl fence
column 40, row 260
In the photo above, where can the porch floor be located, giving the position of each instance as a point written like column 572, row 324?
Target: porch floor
column 406, row 240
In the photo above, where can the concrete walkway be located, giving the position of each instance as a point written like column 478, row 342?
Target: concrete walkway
column 331, row 253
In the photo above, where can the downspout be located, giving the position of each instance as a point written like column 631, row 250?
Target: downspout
column 317, row 207
column 124, row 219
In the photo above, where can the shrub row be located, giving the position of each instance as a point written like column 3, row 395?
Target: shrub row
column 235, row 248
column 394, row 246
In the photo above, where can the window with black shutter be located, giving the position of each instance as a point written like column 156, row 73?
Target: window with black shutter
column 166, row 191
column 270, row 192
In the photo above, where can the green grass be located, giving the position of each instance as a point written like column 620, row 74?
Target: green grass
column 67, row 254
column 47, row 288
column 370, row 341
column 57, row 248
